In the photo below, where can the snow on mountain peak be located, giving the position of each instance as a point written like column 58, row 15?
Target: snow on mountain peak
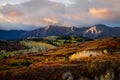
column 93, row 30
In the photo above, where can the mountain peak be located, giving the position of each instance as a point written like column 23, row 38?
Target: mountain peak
column 47, row 27
column 56, row 26
column 50, row 26
column 93, row 30
column 100, row 25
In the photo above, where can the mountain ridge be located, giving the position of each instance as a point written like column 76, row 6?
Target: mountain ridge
column 93, row 32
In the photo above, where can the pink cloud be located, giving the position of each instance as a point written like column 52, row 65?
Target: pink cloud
column 103, row 13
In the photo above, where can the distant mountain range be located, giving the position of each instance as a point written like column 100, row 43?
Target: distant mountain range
column 96, row 31
column 11, row 34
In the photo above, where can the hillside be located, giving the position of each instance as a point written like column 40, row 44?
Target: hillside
column 58, row 61
column 11, row 46
column 29, row 45
column 61, row 40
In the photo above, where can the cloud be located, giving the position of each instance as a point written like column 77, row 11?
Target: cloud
column 100, row 13
column 65, row 2
column 12, row 1
column 50, row 21
column 28, row 13
column 45, row 12
column 13, row 17
column 105, row 14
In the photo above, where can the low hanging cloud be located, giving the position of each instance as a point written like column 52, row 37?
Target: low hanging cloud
column 66, row 13
column 13, row 17
column 50, row 21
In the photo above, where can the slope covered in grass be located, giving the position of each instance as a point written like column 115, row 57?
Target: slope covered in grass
column 54, row 63
column 37, row 46
column 20, row 47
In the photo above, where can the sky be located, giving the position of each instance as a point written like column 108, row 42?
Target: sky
column 32, row 14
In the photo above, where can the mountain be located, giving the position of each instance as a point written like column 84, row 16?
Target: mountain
column 96, row 31
column 11, row 34
column 101, row 31
column 52, row 30
column 49, row 31
column 93, row 32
